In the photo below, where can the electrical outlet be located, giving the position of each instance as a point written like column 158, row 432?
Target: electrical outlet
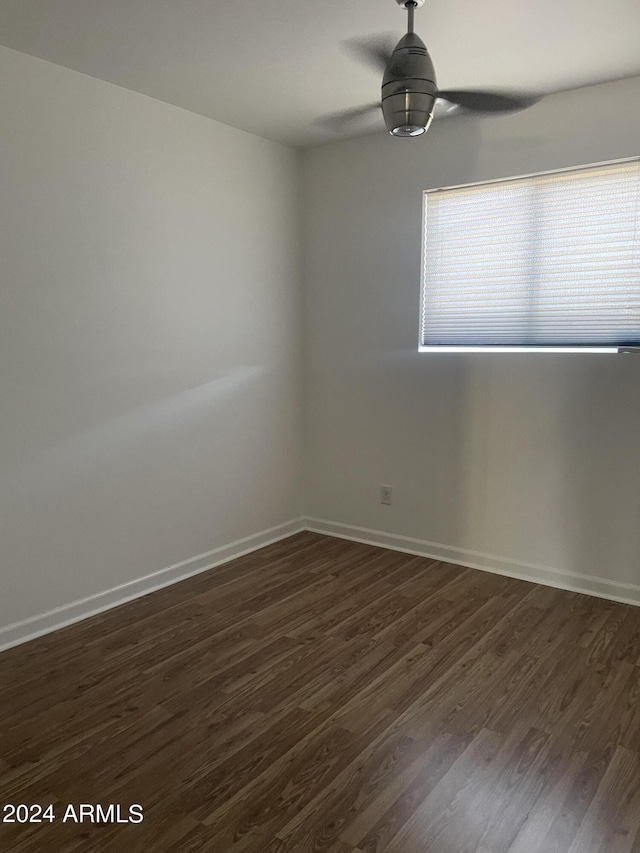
column 386, row 495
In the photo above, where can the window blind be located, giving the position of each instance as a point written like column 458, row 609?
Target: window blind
column 547, row 261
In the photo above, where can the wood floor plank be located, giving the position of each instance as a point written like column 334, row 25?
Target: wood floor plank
column 450, row 812
column 323, row 696
column 549, row 804
column 561, row 833
column 612, row 819
column 328, row 815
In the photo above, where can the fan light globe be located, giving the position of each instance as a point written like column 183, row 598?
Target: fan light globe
column 408, row 130
column 408, row 113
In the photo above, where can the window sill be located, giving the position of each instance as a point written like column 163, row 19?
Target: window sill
column 616, row 350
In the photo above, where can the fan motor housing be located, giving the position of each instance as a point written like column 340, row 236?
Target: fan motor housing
column 409, row 89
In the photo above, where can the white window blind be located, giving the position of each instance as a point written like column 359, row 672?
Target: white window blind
column 547, row 261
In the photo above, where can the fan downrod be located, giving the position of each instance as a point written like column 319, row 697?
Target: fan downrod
column 410, row 6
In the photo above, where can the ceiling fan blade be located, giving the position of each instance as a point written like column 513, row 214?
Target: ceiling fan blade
column 489, row 102
column 602, row 80
column 374, row 51
column 342, row 119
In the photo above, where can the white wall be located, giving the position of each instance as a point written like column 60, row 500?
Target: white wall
column 149, row 335
column 529, row 457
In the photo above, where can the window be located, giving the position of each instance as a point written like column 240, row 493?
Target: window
column 545, row 262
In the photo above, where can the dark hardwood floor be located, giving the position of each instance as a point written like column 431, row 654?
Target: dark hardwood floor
column 321, row 695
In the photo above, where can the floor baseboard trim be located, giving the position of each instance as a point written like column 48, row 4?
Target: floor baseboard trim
column 625, row 593
column 45, row 623
column 60, row 617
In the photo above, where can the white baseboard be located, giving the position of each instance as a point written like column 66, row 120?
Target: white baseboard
column 626, row 593
column 60, row 617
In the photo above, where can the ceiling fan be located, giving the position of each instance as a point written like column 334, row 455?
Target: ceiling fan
column 409, row 89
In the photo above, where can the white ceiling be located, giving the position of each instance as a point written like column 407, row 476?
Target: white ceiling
column 273, row 67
